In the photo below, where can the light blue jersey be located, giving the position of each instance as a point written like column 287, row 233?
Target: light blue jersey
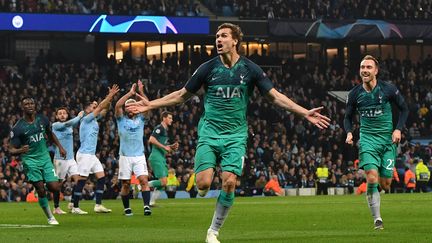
column 64, row 133
column 131, row 133
column 89, row 130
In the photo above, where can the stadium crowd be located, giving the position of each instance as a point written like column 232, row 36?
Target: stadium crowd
column 324, row 9
column 292, row 9
column 279, row 144
column 134, row 7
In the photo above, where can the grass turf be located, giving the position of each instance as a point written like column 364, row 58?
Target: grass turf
column 407, row 218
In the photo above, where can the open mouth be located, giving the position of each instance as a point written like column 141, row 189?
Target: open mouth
column 219, row 46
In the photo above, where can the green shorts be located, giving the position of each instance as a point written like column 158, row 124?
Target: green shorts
column 43, row 170
column 380, row 156
column 229, row 152
column 159, row 167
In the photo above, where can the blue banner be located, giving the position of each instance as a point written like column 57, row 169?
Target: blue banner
column 103, row 23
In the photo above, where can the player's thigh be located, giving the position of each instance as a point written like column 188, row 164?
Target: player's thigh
column 159, row 167
column 48, row 171
column 369, row 156
column 139, row 166
column 61, row 167
column 96, row 165
column 205, row 157
column 83, row 164
column 125, row 168
column 388, row 161
column 33, row 172
column 232, row 156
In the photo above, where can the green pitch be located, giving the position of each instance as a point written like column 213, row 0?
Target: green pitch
column 407, row 218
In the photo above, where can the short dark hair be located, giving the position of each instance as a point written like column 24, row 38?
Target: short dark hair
column 166, row 114
column 370, row 57
column 235, row 32
column 27, row 98
column 88, row 103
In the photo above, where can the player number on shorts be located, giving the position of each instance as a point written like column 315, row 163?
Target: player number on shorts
column 54, row 172
column 390, row 164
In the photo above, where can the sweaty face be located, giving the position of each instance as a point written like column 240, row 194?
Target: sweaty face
column 62, row 115
column 224, row 41
column 28, row 106
column 368, row 70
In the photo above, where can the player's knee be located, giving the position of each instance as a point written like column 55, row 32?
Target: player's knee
column 229, row 183
column 203, row 184
column 163, row 181
column 385, row 185
column 372, row 177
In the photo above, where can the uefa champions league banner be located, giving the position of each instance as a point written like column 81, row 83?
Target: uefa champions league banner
column 103, row 23
column 360, row 29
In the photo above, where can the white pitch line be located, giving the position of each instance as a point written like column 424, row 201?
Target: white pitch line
column 24, row 226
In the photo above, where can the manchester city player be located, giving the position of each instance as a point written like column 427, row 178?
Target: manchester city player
column 228, row 81
column 87, row 161
column 65, row 167
column 132, row 160
column 372, row 99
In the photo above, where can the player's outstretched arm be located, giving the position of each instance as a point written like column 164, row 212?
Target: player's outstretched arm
column 107, row 101
column 122, row 100
column 171, row 99
column 312, row 115
column 141, row 90
column 71, row 123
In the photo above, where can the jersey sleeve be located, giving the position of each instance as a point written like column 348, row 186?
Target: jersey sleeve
column 157, row 132
column 397, row 98
column 45, row 122
column 58, row 126
column 349, row 111
column 198, row 78
column 262, row 82
column 90, row 117
column 15, row 137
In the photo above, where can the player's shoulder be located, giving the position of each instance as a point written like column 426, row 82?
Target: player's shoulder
column 18, row 125
column 210, row 63
column 41, row 117
column 386, row 84
column 356, row 89
column 249, row 63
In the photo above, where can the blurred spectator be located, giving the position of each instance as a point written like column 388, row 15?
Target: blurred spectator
column 422, row 176
column 272, row 187
column 172, row 183
column 410, row 180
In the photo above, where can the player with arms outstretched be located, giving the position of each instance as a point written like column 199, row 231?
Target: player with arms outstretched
column 132, row 160
column 28, row 138
column 228, row 80
column 87, row 161
column 372, row 99
column 65, row 167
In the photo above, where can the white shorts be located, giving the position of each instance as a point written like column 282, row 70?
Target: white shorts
column 65, row 168
column 88, row 164
column 127, row 165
